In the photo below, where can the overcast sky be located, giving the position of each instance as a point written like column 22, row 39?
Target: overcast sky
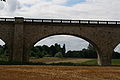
column 62, row 9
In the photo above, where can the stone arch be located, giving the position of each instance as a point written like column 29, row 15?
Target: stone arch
column 98, row 35
column 79, row 36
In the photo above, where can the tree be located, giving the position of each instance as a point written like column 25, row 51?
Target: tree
column 91, row 51
column 90, row 47
column 58, row 48
column 40, row 54
column 51, row 51
column 73, row 54
column 3, row 50
column 116, row 55
column 63, row 50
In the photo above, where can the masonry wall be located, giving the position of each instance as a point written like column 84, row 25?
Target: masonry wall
column 103, row 37
column 6, row 34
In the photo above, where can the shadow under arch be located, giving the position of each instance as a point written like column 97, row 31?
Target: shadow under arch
column 79, row 36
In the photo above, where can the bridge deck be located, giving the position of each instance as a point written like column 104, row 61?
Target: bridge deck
column 63, row 21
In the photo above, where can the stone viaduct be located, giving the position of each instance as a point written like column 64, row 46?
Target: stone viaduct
column 21, row 34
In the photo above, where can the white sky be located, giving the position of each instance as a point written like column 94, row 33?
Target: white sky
column 65, row 9
column 71, row 42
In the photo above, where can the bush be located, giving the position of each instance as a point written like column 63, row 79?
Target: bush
column 59, row 54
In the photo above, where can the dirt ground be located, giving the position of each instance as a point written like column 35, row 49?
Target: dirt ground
column 29, row 72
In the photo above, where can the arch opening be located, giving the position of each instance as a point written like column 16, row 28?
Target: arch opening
column 59, row 48
column 116, row 55
column 4, row 56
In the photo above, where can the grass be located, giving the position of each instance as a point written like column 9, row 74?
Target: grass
column 116, row 62
column 59, row 61
column 3, row 58
column 90, row 62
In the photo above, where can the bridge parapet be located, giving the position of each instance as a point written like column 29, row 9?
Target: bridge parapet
column 7, row 19
column 70, row 21
column 59, row 21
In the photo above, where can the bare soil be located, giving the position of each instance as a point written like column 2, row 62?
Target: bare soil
column 33, row 72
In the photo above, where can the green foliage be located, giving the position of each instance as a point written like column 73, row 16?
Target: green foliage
column 3, row 53
column 116, row 55
column 63, row 50
column 85, row 53
column 90, row 62
column 59, row 54
column 45, row 51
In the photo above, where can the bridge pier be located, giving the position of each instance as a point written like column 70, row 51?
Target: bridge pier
column 18, row 41
column 105, row 57
column 26, row 53
column 104, row 60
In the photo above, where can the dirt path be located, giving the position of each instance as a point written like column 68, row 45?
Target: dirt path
column 58, row 73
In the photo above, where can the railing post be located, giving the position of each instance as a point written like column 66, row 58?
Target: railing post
column 42, row 20
column 79, row 21
column 97, row 22
column 107, row 22
column 70, row 22
column 52, row 21
column 60, row 21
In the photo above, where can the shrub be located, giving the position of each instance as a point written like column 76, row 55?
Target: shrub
column 59, row 54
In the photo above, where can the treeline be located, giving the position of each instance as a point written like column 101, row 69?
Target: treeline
column 59, row 51
column 3, row 51
column 45, row 51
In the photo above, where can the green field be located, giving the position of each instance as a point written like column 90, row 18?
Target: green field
column 72, row 61
column 62, row 61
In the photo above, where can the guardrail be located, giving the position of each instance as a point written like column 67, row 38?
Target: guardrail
column 7, row 19
column 70, row 21
column 27, row 20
